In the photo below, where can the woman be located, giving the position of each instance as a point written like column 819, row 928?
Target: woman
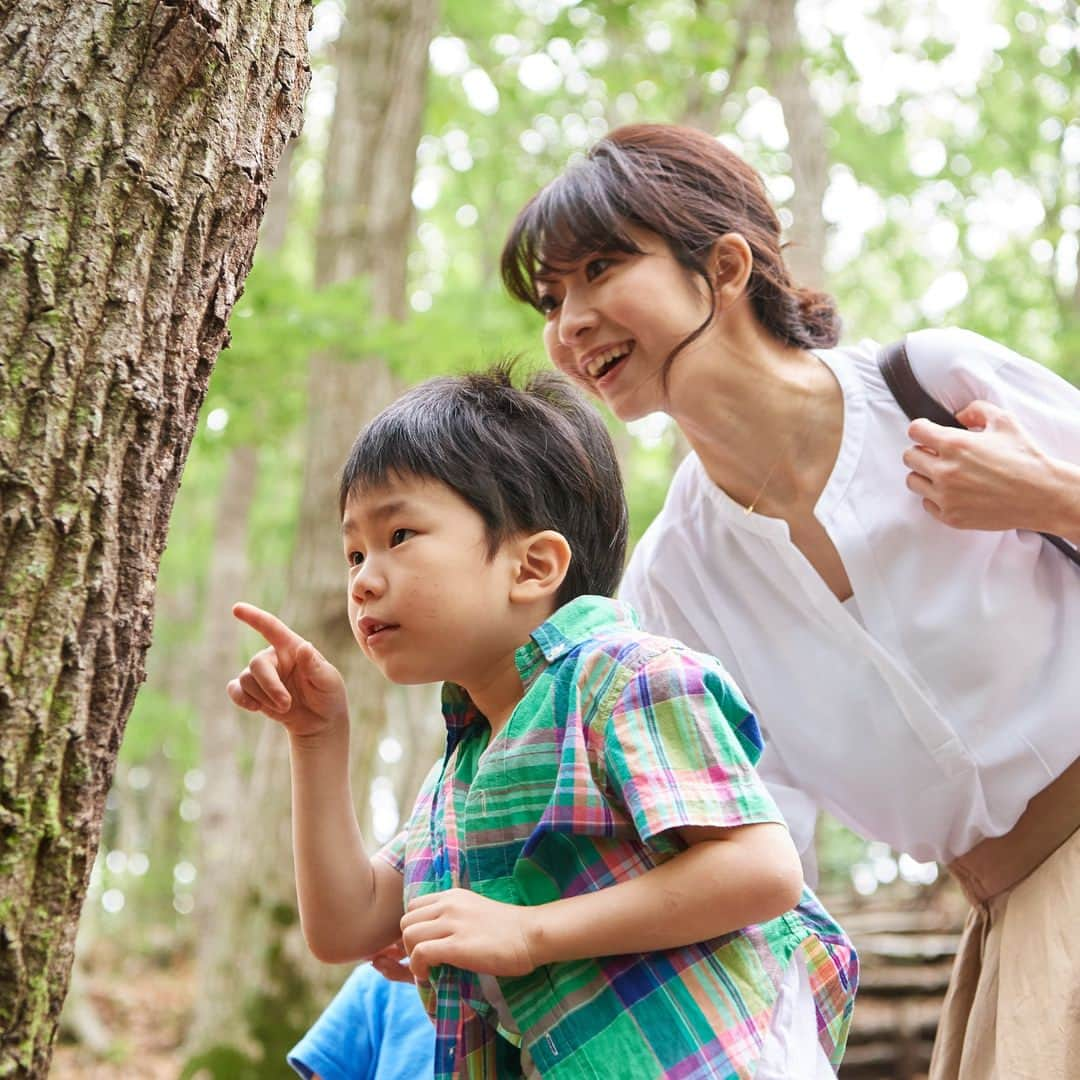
column 912, row 656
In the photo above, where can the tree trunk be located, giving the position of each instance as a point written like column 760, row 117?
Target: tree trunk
column 807, row 142
column 139, row 141
column 366, row 215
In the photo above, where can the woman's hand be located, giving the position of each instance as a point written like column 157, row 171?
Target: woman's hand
column 992, row 476
column 460, row 927
column 289, row 681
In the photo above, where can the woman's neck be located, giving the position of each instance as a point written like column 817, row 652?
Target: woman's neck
column 765, row 419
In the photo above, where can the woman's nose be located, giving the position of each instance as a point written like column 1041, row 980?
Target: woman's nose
column 576, row 317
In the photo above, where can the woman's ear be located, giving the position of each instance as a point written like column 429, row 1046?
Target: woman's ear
column 542, row 563
column 731, row 262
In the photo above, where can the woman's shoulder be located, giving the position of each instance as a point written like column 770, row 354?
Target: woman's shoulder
column 690, row 494
column 959, row 366
column 955, row 366
column 684, row 497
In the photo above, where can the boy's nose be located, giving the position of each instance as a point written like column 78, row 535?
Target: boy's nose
column 366, row 583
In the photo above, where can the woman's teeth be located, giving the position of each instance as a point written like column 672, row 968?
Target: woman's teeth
column 600, row 363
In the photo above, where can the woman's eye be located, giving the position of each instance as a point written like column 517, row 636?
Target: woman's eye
column 399, row 536
column 356, row 558
column 546, row 304
column 595, row 267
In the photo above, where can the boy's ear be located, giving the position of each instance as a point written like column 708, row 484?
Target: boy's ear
column 731, row 262
column 543, row 560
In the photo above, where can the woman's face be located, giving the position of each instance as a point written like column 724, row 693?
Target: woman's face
column 613, row 319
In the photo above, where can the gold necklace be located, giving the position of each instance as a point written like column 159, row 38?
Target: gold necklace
column 749, row 508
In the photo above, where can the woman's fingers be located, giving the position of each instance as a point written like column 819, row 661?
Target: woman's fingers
column 920, row 460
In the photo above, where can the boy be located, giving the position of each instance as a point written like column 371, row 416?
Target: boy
column 594, row 881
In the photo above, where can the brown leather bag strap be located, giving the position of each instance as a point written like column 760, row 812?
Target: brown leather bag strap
column 917, row 403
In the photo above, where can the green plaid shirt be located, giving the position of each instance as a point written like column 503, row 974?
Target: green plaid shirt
column 620, row 738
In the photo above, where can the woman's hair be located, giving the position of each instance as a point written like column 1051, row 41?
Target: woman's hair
column 689, row 189
column 526, row 459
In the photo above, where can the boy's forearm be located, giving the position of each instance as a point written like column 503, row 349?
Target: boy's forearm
column 711, row 889
column 342, row 915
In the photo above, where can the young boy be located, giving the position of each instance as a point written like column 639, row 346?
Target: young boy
column 593, row 881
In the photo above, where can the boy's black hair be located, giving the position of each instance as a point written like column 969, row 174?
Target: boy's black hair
column 526, row 459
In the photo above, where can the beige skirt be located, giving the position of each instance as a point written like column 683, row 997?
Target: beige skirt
column 1012, row 1011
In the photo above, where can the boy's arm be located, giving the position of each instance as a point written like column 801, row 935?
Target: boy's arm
column 350, row 905
column 725, row 880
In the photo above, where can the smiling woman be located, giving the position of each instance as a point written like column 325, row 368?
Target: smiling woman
column 875, row 587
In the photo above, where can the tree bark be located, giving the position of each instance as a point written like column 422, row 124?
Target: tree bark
column 137, row 144
column 807, row 141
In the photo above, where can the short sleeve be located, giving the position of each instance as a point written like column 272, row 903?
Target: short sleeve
column 678, row 749
column 393, row 851
column 958, row 367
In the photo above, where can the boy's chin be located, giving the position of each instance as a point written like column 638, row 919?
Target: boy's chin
column 404, row 675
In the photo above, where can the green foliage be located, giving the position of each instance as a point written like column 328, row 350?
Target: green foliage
column 160, row 724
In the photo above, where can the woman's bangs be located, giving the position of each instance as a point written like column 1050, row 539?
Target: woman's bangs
column 571, row 218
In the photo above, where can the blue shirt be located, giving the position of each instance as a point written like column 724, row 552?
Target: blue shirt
column 374, row 1029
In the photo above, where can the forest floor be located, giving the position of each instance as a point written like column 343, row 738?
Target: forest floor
column 143, row 1007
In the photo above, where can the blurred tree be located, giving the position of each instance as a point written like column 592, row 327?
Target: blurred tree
column 365, row 224
column 133, row 172
column 785, row 71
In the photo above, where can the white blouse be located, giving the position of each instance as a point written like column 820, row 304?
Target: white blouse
column 927, row 713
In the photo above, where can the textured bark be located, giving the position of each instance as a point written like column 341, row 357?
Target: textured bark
column 137, row 143
column 807, row 135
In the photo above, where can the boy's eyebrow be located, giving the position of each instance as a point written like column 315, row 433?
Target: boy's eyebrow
column 382, row 510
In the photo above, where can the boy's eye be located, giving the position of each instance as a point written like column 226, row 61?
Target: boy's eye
column 399, row 536
column 356, row 558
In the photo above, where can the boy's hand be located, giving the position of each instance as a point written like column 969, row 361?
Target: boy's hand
column 469, row 931
column 289, row 681
column 392, row 963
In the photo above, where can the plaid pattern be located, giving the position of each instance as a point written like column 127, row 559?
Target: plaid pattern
column 620, row 738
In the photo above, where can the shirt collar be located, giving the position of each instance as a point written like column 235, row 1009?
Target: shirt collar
column 577, row 621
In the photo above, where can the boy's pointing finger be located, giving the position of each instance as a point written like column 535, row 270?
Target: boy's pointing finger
column 270, row 626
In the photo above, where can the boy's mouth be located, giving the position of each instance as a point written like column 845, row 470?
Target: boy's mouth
column 374, row 629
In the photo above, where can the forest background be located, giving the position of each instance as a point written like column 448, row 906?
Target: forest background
column 925, row 159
